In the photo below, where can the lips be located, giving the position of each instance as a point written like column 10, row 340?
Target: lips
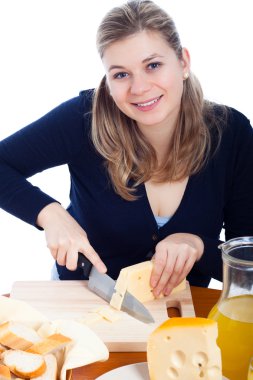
column 148, row 105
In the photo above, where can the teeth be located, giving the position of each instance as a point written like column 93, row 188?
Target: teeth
column 148, row 103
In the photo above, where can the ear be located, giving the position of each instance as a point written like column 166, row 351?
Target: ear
column 186, row 60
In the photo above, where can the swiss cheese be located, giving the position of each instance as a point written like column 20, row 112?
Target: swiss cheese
column 108, row 313
column 184, row 348
column 136, row 280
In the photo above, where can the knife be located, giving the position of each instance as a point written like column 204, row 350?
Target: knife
column 104, row 287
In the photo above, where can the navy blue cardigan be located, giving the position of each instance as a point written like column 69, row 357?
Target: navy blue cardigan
column 123, row 232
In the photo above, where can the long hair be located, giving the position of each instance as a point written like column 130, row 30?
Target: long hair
column 129, row 157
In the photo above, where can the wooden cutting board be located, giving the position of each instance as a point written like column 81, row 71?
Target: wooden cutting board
column 73, row 300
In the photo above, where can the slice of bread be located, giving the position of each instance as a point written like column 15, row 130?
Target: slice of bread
column 51, row 370
column 17, row 336
column 2, row 348
column 4, row 372
column 50, row 344
column 24, row 364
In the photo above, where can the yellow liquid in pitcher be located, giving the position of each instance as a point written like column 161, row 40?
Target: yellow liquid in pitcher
column 235, row 335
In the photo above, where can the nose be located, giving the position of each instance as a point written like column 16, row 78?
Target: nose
column 139, row 84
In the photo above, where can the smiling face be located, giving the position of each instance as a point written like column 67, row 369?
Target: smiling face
column 145, row 78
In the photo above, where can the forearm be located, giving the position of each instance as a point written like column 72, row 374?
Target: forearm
column 19, row 197
column 51, row 141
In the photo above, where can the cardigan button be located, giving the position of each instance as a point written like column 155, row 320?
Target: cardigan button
column 154, row 237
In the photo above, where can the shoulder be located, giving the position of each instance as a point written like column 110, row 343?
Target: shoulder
column 81, row 103
column 238, row 126
column 69, row 121
column 237, row 118
column 229, row 122
column 69, row 116
column 236, row 139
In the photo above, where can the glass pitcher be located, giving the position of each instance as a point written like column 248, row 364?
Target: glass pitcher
column 234, row 310
column 250, row 373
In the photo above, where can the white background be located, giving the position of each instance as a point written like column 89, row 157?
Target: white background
column 48, row 55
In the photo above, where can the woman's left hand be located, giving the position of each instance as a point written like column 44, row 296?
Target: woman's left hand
column 173, row 259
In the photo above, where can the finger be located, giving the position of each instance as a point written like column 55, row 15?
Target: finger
column 159, row 260
column 179, row 275
column 61, row 256
column 94, row 258
column 166, row 274
column 53, row 252
column 171, row 276
column 173, row 282
column 71, row 259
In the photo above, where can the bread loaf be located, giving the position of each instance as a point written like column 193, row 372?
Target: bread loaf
column 17, row 336
column 24, row 364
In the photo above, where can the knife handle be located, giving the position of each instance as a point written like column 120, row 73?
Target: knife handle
column 85, row 264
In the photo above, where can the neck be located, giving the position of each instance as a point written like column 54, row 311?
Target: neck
column 159, row 137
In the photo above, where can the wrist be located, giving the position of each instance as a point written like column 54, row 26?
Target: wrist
column 199, row 245
column 46, row 214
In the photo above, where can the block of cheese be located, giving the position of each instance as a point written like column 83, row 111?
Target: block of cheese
column 136, row 280
column 184, row 349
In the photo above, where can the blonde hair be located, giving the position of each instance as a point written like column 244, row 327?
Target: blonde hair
column 129, row 157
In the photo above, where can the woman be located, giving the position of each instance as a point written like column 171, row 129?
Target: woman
column 155, row 169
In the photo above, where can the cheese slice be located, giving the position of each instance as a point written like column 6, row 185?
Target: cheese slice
column 121, row 288
column 90, row 319
column 184, row 349
column 136, row 280
column 108, row 313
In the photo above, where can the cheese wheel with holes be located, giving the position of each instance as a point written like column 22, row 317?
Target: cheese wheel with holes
column 184, row 349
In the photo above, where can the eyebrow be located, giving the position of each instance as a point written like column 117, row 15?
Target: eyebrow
column 149, row 58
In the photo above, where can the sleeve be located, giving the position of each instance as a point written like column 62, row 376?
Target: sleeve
column 51, row 141
column 238, row 212
column 210, row 263
column 238, row 208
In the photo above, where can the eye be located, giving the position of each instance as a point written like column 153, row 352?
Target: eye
column 154, row 65
column 120, row 75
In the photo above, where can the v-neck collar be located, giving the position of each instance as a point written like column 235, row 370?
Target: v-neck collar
column 178, row 210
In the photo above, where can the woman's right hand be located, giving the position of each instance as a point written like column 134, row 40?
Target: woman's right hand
column 65, row 238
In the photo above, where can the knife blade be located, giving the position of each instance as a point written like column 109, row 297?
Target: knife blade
column 104, row 287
